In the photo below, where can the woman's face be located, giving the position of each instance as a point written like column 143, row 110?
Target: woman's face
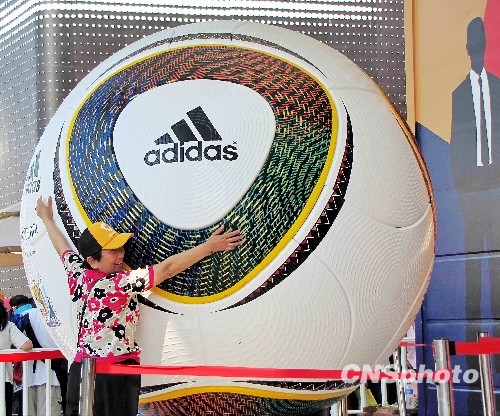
column 111, row 261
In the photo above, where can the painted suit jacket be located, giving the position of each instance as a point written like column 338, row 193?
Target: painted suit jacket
column 468, row 176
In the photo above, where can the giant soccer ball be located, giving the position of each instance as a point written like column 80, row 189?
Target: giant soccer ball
column 261, row 129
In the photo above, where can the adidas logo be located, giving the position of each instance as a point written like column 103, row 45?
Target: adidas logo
column 188, row 147
column 32, row 184
column 34, row 167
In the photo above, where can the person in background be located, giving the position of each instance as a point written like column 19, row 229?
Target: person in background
column 31, row 322
column 10, row 335
column 17, row 404
column 105, row 295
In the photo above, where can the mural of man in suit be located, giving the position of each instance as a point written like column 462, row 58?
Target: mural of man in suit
column 475, row 161
column 464, row 292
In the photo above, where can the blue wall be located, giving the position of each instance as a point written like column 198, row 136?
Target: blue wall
column 443, row 313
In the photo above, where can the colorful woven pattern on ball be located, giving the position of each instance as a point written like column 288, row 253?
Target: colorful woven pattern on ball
column 304, row 141
column 232, row 404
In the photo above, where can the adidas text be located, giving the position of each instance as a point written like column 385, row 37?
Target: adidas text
column 194, row 153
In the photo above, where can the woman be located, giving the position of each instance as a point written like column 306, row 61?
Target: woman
column 10, row 335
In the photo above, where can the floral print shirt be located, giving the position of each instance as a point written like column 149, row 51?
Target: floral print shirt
column 109, row 306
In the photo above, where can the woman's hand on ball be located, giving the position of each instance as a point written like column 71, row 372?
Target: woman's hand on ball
column 57, row 238
column 44, row 210
column 220, row 241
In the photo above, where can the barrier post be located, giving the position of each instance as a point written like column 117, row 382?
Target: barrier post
column 25, row 388
column 87, row 387
column 444, row 389
column 383, row 388
column 486, row 374
column 342, row 406
column 399, row 383
column 362, row 395
column 2, row 389
column 48, row 386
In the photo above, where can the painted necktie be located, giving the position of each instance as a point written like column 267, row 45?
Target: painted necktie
column 485, row 158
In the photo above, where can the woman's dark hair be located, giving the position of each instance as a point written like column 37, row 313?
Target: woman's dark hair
column 4, row 317
column 19, row 300
column 97, row 257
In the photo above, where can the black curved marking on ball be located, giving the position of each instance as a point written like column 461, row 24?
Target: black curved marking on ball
column 301, row 385
column 403, row 125
column 62, row 208
column 318, row 231
column 151, row 304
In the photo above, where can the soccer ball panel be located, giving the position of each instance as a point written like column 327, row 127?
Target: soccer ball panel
column 384, row 270
column 391, row 188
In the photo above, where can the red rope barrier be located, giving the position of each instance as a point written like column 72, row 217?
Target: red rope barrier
column 412, row 344
column 494, row 340
column 484, row 346
column 16, row 355
column 269, row 373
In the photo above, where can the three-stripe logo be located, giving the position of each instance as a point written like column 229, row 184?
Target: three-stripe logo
column 187, row 147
